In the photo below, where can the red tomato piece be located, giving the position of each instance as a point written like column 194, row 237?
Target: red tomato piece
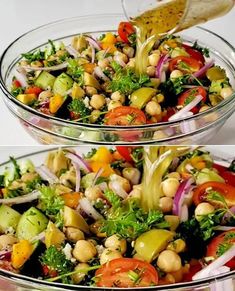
column 224, row 172
column 227, row 191
column 16, row 84
column 170, row 112
column 33, row 90
column 188, row 96
column 125, row 152
column 185, row 64
column 195, row 54
column 117, row 273
column 125, row 29
column 125, row 115
column 192, row 271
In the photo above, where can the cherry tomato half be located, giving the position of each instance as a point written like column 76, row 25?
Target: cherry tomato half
column 125, row 152
column 226, row 239
column 125, row 115
column 33, row 90
column 186, row 97
column 224, row 172
column 195, row 54
column 16, row 84
column 185, row 64
column 125, row 29
column 116, row 273
column 227, row 191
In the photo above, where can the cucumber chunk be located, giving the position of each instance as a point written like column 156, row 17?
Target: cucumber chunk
column 8, row 218
column 45, row 80
column 62, row 84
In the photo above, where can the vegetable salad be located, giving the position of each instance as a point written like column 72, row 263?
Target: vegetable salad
column 93, row 80
column 118, row 217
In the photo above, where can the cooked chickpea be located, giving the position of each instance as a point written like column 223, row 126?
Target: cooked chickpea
column 74, row 234
column 170, row 186
column 103, row 63
column 117, row 96
column 90, row 90
column 93, row 193
column 109, row 255
column 36, row 64
column 131, row 63
column 114, row 104
column 120, row 57
column 203, row 208
column 84, row 251
column 176, row 74
column 178, row 246
column 204, row 108
column 132, row 174
column 153, row 108
column 129, row 51
column 78, row 277
column 226, row 92
column 125, row 184
column 154, row 59
column 166, row 204
column 97, row 101
column 160, row 98
column 135, row 194
column 44, row 95
column 95, row 114
column 115, row 243
column 7, row 240
column 169, row 261
column 151, row 70
column 175, row 175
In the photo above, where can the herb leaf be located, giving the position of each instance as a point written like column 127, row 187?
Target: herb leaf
column 78, row 107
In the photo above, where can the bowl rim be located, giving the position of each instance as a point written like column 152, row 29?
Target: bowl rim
column 63, row 122
column 23, row 279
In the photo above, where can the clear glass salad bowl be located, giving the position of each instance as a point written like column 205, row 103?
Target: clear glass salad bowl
column 14, row 282
column 197, row 129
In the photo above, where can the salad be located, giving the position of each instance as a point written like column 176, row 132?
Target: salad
column 118, row 217
column 94, row 81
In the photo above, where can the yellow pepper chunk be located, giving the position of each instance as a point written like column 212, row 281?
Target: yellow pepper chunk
column 21, row 252
column 55, row 103
column 27, row 98
column 107, row 169
column 109, row 38
column 103, row 155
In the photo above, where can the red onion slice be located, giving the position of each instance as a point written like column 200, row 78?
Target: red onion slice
column 99, row 73
column 52, row 68
column 204, row 69
column 74, row 53
column 79, row 160
column 78, row 176
column 224, row 228
column 20, row 75
column 160, row 73
column 97, row 175
column 40, row 236
column 181, row 114
column 188, row 125
column 5, row 255
column 93, row 42
column 116, row 187
column 47, row 175
column 119, row 61
column 217, row 263
column 87, row 207
column 21, row 199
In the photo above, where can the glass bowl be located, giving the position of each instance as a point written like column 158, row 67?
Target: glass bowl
column 15, row 282
column 197, row 129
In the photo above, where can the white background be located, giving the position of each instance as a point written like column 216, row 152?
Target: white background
column 19, row 16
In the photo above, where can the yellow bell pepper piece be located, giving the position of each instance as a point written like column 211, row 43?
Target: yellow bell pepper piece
column 111, row 48
column 21, row 252
column 109, row 38
column 53, row 236
column 27, row 98
column 103, row 155
column 107, row 169
column 55, row 103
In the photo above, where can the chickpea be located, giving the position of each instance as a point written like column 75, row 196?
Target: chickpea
column 203, row 208
column 131, row 63
column 78, row 277
column 132, row 174
column 226, row 92
column 129, row 51
column 169, row 279
column 7, row 240
column 44, row 95
column 125, row 184
column 176, row 74
column 153, row 108
column 93, row 193
column 160, row 98
column 97, row 101
column 116, row 243
column 154, row 59
column 114, row 104
column 36, row 64
column 109, row 255
column 90, row 90
column 170, row 186
column 120, row 57
column 151, row 71
column 135, row 194
column 166, row 204
column 175, row 175
column 29, row 177
column 178, row 275
column 178, row 246
column 117, row 96
column 74, row 234
column 169, row 261
column 103, row 63
column 84, row 251
column 204, row 108
column 95, row 114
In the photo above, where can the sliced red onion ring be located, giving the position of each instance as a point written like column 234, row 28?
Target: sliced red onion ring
column 188, row 126
column 97, row 175
column 193, row 86
column 217, row 263
column 87, row 207
column 74, row 53
column 52, row 68
column 92, row 54
column 228, row 215
column 5, row 255
column 103, row 186
column 116, row 187
column 160, row 73
column 99, row 73
column 93, row 42
column 224, row 228
column 40, row 236
column 47, row 175
column 21, row 199
column 204, row 69
column 181, row 114
column 79, row 160
column 119, row 61
column 78, row 176
column 178, row 207
column 20, row 75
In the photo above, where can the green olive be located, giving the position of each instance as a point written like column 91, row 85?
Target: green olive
column 215, row 73
column 141, row 96
column 215, row 99
column 152, row 242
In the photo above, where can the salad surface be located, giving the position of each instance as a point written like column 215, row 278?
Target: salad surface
column 94, row 80
column 118, row 217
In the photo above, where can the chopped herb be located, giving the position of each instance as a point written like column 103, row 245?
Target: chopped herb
column 101, row 180
column 17, row 173
column 232, row 166
column 15, row 92
column 205, row 51
column 137, row 156
column 53, row 48
column 90, row 154
column 75, row 71
column 78, row 107
column 2, row 183
column 34, row 56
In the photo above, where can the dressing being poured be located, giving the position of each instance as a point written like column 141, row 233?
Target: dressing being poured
column 172, row 16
